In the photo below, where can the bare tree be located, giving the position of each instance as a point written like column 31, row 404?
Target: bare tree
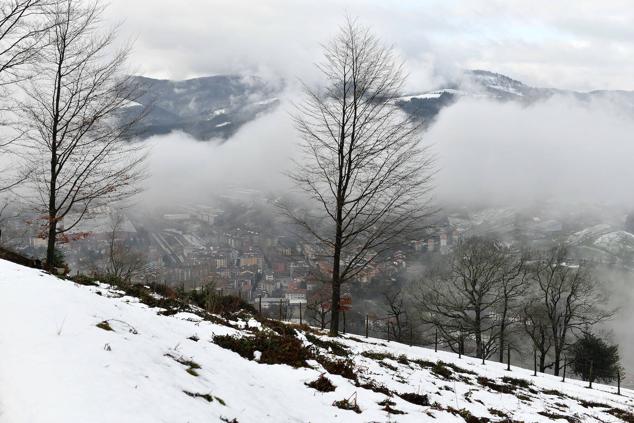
column 398, row 317
column 123, row 262
column 76, row 136
column 364, row 170
column 536, row 326
column 569, row 298
column 512, row 291
column 468, row 299
column 22, row 29
column 318, row 306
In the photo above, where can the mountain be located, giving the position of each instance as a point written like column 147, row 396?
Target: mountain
column 215, row 107
column 497, row 87
column 206, row 108
column 92, row 352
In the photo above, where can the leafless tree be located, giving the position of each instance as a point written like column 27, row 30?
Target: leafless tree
column 318, row 306
column 22, row 30
column 75, row 132
column 536, row 326
column 123, row 262
column 512, row 292
column 397, row 315
column 364, row 170
column 467, row 299
column 569, row 298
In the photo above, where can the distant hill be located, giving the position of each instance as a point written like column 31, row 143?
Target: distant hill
column 215, row 107
column 206, row 108
column 497, row 87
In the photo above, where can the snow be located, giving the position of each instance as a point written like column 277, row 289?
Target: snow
column 266, row 101
column 220, row 125
column 57, row 366
column 130, row 103
column 588, row 234
column 431, row 94
column 617, row 243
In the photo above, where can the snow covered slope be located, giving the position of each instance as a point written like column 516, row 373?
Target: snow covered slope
column 75, row 353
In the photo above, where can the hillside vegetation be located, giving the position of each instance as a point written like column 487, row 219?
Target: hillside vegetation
column 88, row 351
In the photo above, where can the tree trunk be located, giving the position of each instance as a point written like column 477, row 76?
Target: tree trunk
column 478, row 335
column 336, row 292
column 50, row 249
column 542, row 362
column 52, row 218
column 502, row 332
column 336, row 268
column 557, row 360
column 502, row 327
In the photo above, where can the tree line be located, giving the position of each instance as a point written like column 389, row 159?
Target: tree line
column 487, row 298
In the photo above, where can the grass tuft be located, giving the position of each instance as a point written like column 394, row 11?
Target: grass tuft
column 105, row 326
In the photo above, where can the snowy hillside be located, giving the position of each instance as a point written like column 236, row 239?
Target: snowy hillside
column 481, row 84
column 75, row 353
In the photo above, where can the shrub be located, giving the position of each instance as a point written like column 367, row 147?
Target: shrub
column 208, row 299
column 402, row 359
column 335, row 347
column 441, row 370
column 346, row 404
column 105, row 326
column 322, row 384
column 417, row 399
column 387, row 405
column 275, row 349
column 626, row 416
column 375, row 387
column 522, row 383
column 554, row 416
column 467, row 416
column 503, row 388
column 344, row 368
column 378, row 356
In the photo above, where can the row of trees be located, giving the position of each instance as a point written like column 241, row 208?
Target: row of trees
column 486, row 298
column 66, row 82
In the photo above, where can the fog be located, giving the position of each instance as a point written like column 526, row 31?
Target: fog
column 507, row 153
column 487, row 153
column 182, row 169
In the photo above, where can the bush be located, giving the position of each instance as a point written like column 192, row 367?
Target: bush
column 503, row 388
column 208, row 299
column 347, row 405
column 415, row 398
column 375, row 387
column 387, row 405
column 275, row 349
column 378, row 356
column 604, row 358
column 522, row 383
column 343, row 368
column 441, row 370
column 322, row 384
column 335, row 347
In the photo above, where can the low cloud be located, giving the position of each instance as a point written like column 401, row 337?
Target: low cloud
column 183, row 170
column 506, row 153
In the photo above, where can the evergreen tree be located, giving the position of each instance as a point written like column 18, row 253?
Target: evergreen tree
column 592, row 351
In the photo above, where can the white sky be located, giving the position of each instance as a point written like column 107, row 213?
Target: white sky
column 574, row 44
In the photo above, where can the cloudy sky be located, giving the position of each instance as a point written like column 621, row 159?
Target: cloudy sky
column 576, row 44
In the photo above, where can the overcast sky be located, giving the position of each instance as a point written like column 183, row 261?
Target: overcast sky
column 576, row 44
